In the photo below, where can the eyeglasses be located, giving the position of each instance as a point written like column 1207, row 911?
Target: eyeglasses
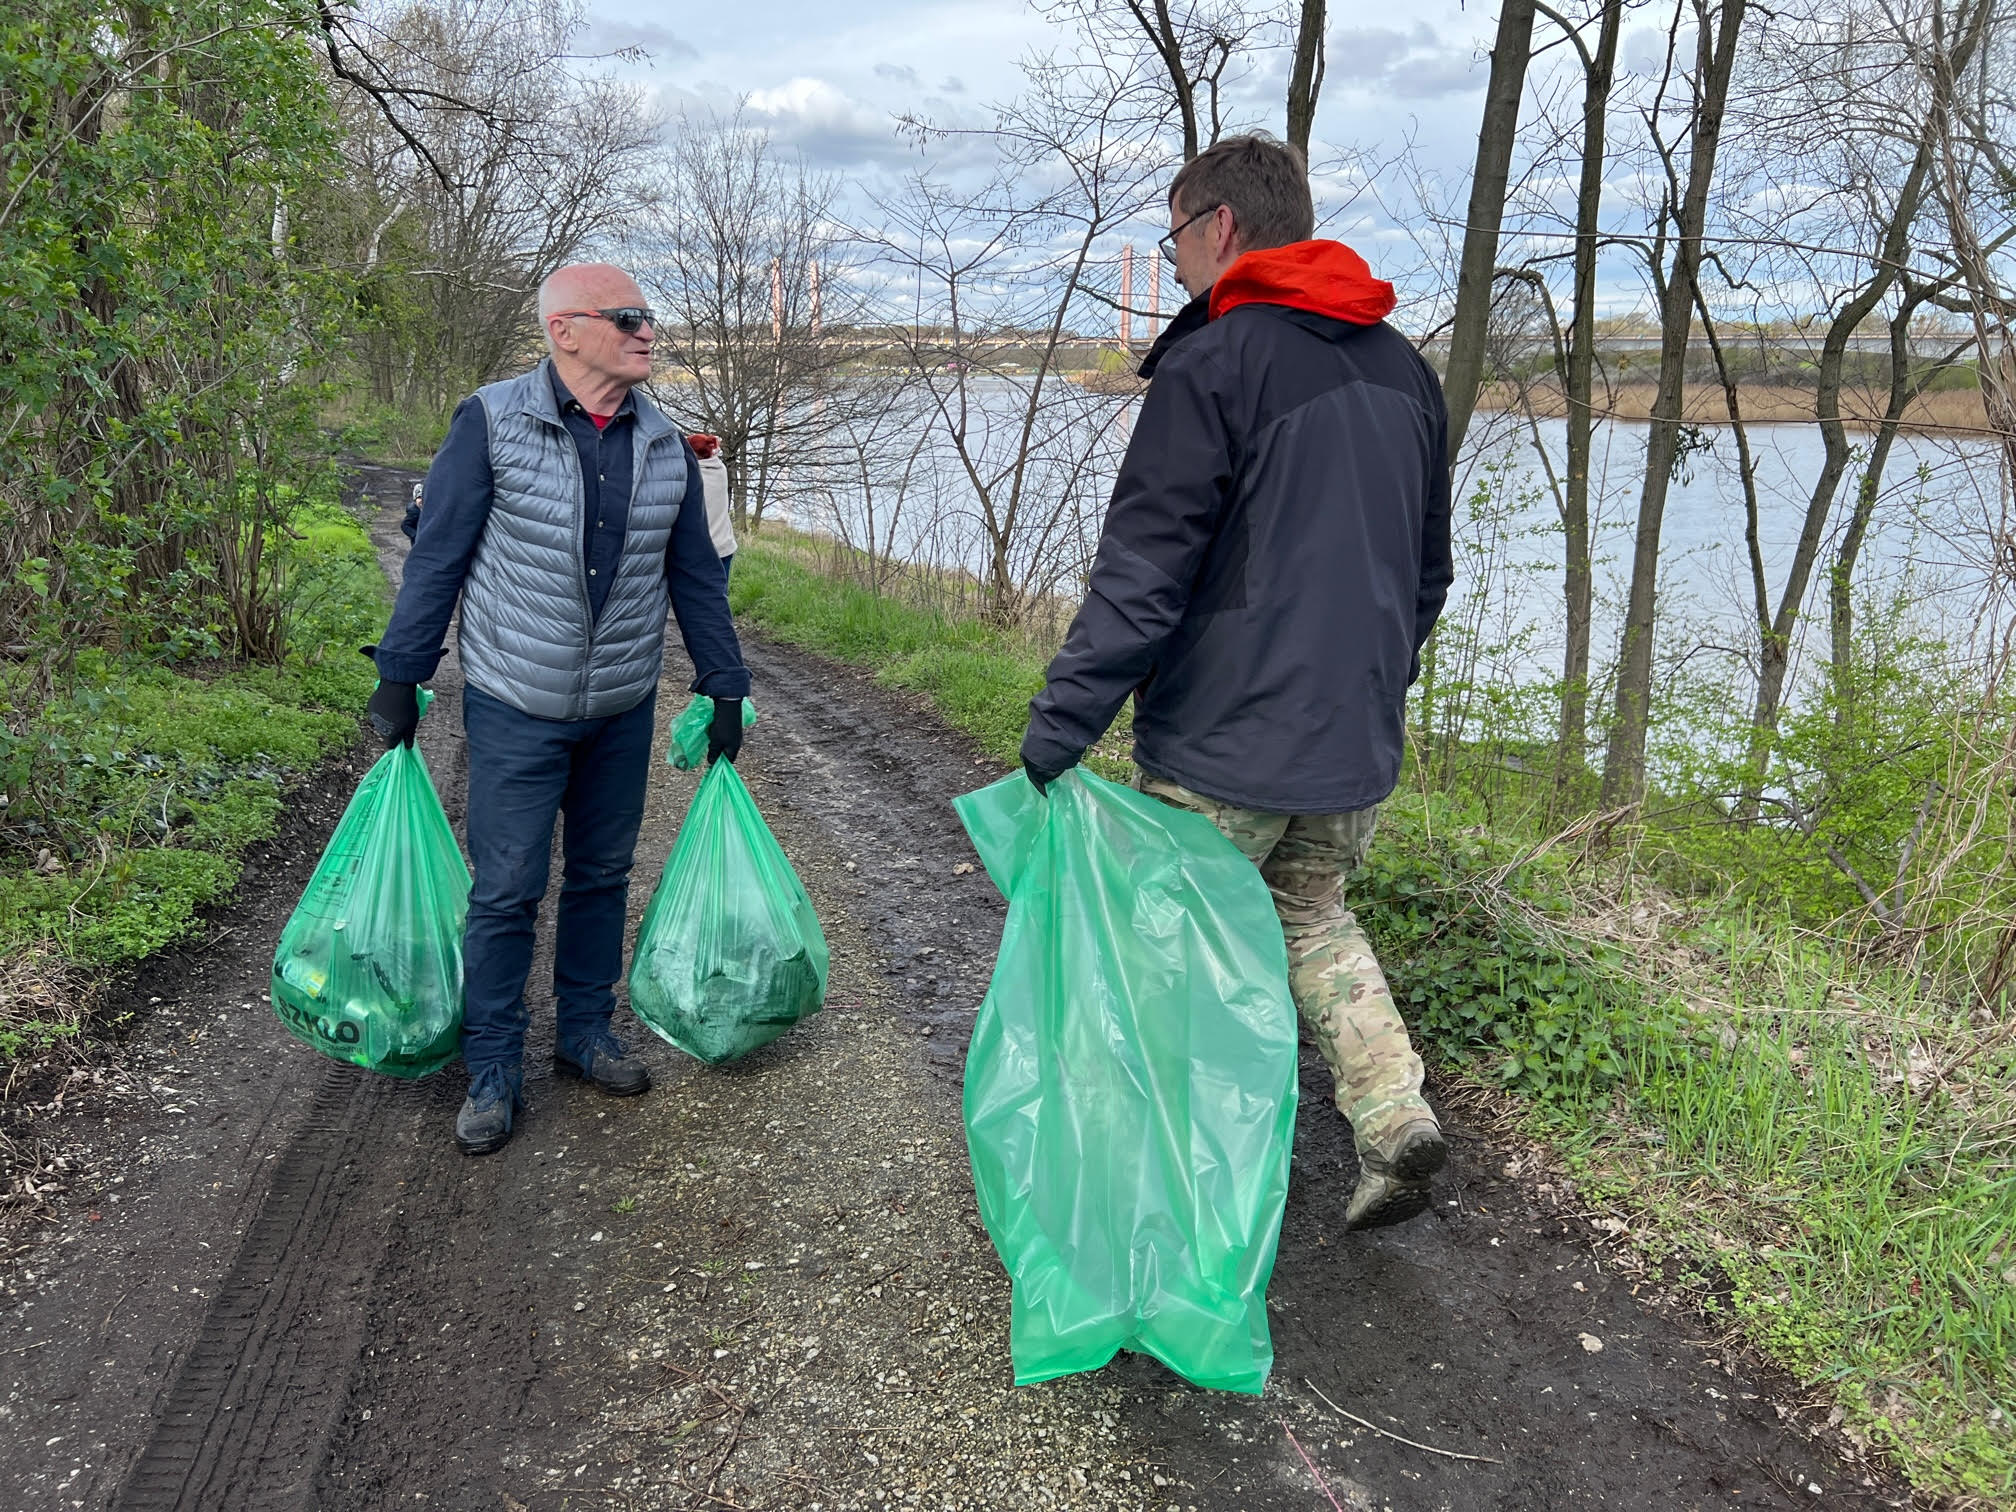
column 628, row 319
column 1168, row 243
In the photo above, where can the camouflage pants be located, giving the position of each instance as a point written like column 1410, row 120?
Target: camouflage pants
column 1338, row 987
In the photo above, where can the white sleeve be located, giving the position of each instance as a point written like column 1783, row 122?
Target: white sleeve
column 720, row 511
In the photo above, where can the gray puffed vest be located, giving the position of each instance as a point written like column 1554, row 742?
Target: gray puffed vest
column 527, row 636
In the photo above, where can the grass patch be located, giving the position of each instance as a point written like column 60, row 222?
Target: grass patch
column 45, row 1006
column 980, row 678
column 1825, row 1156
column 130, row 799
column 1821, row 1152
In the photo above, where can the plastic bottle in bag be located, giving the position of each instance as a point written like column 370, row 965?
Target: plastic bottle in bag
column 730, row 954
column 369, row 967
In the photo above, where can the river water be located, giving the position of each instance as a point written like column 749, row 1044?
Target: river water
column 1928, row 543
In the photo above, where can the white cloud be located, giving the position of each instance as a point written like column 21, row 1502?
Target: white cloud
column 1415, row 64
column 828, row 125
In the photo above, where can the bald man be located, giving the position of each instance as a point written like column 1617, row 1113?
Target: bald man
column 566, row 514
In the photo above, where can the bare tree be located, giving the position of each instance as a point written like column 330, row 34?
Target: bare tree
column 482, row 158
column 1827, row 175
column 1000, row 278
column 1305, row 73
column 1464, row 373
column 1198, row 50
column 753, row 275
column 1683, row 218
column 1578, row 583
column 1908, row 379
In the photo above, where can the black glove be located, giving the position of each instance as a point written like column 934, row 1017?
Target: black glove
column 724, row 736
column 1040, row 778
column 395, row 712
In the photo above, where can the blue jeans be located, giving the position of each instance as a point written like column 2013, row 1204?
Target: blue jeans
column 523, row 773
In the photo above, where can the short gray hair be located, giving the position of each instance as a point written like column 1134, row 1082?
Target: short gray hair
column 1262, row 181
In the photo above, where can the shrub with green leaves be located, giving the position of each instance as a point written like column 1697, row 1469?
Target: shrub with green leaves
column 1489, row 985
column 128, row 800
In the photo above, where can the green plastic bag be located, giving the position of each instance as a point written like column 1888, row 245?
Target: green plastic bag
column 1130, row 1088
column 369, row 968
column 730, row 954
column 689, row 730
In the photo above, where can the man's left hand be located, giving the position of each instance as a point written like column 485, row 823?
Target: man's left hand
column 724, row 735
column 1041, row 776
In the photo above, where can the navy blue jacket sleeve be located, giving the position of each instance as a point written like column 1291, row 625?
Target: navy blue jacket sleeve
column 458, row 495
column 1168, row 503
column 699, row 588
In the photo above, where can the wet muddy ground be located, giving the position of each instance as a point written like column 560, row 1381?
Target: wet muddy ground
column 275, row 1283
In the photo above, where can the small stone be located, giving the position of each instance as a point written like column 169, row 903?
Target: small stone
column 1591, row 1343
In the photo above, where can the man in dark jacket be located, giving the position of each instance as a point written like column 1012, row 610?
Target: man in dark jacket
column 566, row 514
column 1276, row 553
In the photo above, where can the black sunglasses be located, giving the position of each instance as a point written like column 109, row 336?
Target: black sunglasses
column 628, row 319
column 1168, row 243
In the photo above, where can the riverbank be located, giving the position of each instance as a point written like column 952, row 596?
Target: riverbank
column 1954, row 412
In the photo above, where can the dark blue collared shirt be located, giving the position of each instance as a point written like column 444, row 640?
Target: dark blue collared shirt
column 608, row 456
column 456, row 507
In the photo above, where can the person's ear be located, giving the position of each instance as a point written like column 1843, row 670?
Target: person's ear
column 560, row 331
column 1227, row 227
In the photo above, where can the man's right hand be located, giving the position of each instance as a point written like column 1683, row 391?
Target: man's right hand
column 724, row 735
column 395, row 712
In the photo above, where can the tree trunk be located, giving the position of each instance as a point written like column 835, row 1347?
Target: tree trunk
column 1160, row 29
column 1305, row 79
column 1624, row 762
column 1470, row 325
column 1579, row 579
column 1905, row 385
column 1776, row 660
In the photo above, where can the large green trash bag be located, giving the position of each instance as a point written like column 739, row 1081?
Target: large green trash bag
column 730, row 954
column 1130, row 1087
column 369, row 968
column 689, row 730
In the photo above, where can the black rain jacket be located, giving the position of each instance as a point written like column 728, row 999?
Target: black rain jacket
column 1277, row 549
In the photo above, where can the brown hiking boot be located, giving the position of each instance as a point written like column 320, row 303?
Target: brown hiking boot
column 1393, row 1188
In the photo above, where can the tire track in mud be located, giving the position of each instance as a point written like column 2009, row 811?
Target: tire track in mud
column 262, row 1385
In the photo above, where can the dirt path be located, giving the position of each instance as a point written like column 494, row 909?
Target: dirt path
column 766, row 1286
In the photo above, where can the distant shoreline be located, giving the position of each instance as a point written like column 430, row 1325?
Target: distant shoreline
column 1955, row 412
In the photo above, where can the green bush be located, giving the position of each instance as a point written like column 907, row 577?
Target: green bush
column 129, row 799
column 1485, row 982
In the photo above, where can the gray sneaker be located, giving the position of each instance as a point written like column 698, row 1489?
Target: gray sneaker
column 604, row 1062
column 1393, row 1188
column 484, row 1124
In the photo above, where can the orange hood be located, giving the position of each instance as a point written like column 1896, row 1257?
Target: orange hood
column 1322, row 277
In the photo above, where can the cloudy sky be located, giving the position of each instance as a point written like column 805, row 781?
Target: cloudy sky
column 830, row 80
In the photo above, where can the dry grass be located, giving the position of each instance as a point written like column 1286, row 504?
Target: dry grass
column 45, row 1006
column 1957, row 412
